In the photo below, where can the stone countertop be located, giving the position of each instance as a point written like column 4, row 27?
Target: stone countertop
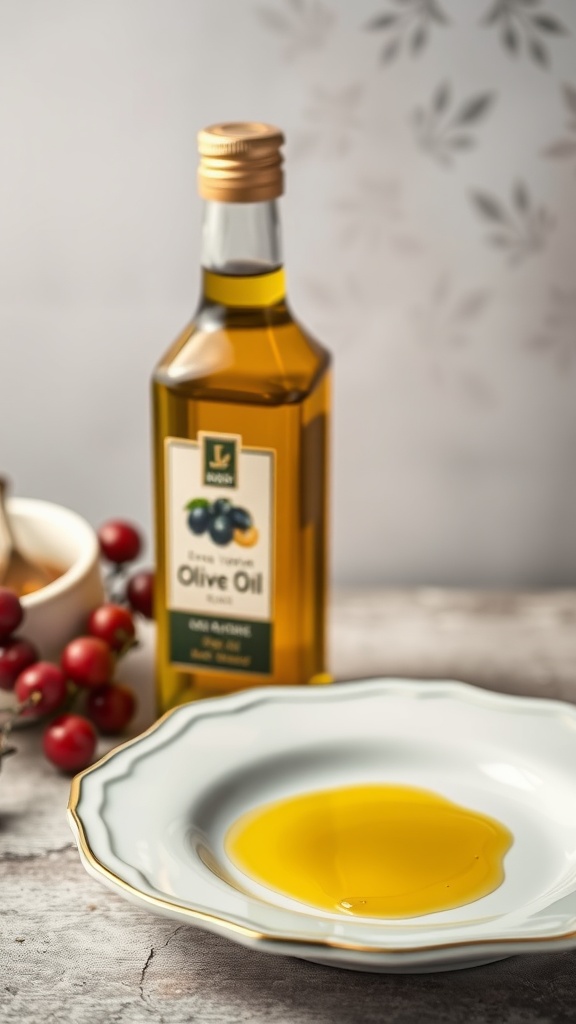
column 72, row 952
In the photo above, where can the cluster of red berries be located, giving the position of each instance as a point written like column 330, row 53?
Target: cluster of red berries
column 86, row 670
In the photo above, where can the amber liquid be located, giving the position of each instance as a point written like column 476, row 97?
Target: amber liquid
column 372, row 850
column 253, row 372
column 31, row 586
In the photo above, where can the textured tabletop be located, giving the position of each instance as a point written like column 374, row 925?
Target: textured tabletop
column 72, row 951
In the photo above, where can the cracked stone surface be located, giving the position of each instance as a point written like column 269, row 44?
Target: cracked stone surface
column 72, row 952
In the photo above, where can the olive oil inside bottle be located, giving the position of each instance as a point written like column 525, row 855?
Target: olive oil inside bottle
column 253, row 372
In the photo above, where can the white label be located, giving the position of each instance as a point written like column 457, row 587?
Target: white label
column 219, row 552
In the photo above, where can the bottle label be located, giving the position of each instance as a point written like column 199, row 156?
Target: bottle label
column 220, row 537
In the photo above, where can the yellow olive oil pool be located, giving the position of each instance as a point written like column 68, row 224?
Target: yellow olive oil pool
column 387, row 851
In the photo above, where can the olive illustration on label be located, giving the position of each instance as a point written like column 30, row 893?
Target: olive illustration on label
column 222, row 507
column 199, row 517
column 221, row 530
column 222, row 521
column 246, row 538
column 241, row 519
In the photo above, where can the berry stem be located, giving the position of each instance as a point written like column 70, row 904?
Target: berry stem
column 130, row 645
column 8, row 724
column 115, row 584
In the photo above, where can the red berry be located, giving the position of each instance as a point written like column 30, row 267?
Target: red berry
column 87, row 661
column 11, row 611
column 70, row 742
column 111, row 707
column 15, row 655
column 113, row 624
column 140, row 593
column 47, row 681
column 119, row 541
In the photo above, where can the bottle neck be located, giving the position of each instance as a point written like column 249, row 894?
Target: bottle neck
column 241, row 254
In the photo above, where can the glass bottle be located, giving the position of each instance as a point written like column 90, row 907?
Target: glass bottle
column 241, row 408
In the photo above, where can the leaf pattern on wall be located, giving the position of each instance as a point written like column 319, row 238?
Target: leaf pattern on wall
column 444, row 323
column 525, row 26
column 565, row 148
column 448, row 313
column 407, row 26
column 303, row 25
column 336, row 307
column 332, row 119
column 556, row 337
column 444, row 128
column 520, row 229
column 373, row 215
column 448, row 124
column 476, row 390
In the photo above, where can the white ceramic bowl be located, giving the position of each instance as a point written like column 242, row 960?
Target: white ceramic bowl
column 150, row 818
column 56, row 535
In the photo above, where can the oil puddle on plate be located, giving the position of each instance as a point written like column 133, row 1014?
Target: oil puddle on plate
column 372, row 850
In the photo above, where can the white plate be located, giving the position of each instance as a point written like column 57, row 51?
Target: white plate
column 150, row 817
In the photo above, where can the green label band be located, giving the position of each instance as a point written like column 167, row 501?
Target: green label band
column 225, row 645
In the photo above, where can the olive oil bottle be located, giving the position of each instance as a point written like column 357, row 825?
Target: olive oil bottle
column 241, row 410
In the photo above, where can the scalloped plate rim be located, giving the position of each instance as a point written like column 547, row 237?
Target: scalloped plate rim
column 437, row 956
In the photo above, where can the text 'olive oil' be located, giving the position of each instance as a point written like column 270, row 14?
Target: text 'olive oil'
column 241, row 406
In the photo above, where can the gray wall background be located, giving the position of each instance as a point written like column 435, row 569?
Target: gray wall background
column 430, row 236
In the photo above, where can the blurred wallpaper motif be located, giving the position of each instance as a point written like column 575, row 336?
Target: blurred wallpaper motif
column 430, row 229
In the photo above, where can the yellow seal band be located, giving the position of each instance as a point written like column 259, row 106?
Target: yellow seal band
column 249, row 291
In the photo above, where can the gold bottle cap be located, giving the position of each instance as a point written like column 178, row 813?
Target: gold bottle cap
column 240, row 162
